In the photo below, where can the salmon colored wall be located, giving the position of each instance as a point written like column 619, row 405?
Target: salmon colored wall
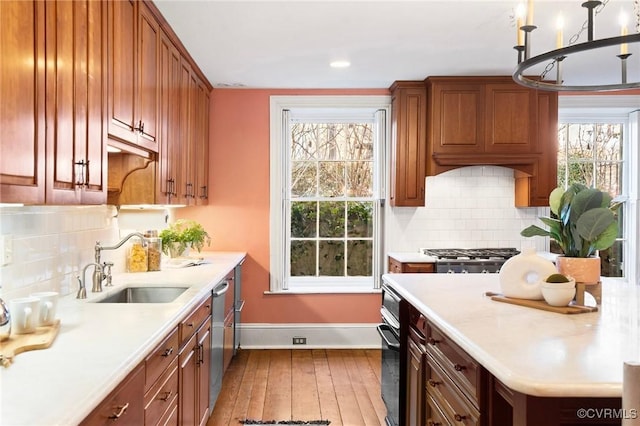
column 237, row 216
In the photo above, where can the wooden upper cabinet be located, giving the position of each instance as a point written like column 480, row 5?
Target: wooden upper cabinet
column 134, row 39
column 169, row 148
column 409, row 144
column 510, row 119
column 76, row 155
column 202, row 146
column 22, row 102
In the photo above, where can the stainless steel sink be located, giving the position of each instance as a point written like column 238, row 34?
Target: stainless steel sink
column 144, row 295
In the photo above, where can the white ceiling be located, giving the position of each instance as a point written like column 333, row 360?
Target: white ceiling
column 289, row 44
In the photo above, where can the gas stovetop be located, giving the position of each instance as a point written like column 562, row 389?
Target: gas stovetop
column 471, row 254
column 477, row 260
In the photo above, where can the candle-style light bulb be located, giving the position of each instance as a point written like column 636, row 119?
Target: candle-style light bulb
column 623, row 32
column 559, row 34
column 520, row 12
column 529, row 12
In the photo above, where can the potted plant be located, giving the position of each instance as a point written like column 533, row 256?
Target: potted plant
column 558, row 290
column 583, row 221
column 182, row 235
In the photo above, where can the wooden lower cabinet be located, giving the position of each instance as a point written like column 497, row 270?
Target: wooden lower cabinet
column 398, row 267
column 195, row 365
column 124, row 405
column 446, row 386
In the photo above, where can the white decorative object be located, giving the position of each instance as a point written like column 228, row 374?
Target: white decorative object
column 558, row 294
column 631, row 394
column 521, row 275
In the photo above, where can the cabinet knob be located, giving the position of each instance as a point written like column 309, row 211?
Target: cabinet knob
column 121, row 411
column 167, row 352
column 459, row 417
column 433, row 383
column 166, row 396
column 433, row 341
column 459, row 367
column 432, row 423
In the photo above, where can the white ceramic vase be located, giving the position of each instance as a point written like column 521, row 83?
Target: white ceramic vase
column 521, row 275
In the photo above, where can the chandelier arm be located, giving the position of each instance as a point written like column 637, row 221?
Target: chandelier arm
column 520, row 78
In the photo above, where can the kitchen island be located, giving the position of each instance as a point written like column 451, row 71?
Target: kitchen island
column 98, row 345
column 528, row 359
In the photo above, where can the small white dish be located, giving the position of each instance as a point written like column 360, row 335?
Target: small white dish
column 558, row 294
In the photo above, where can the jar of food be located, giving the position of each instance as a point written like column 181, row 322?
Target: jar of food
column 154, row 253
column 137, row 256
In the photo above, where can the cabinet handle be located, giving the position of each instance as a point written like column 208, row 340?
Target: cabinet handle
column 459, row 367
column 433, row 341
column 432, row 423
column 433, row 383
column 190, row 325
column 203, row 192
column 167, row 352
column 120, row 412
column 459, row 417
column 140, row 128
column 166, row 396
column 82, row 172
column 189, row 191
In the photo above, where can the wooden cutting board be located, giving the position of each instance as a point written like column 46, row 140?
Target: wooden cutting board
column 541, row 304
column 42, row 338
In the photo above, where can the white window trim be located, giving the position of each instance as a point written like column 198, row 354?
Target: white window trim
column 624, row 109
column 278, row 176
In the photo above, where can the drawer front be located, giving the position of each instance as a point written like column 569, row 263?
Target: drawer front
column 455, row 361
column 163, row 395
column 435, row 416
column 448, row 397
column 418, row 268
column 160, row 358
column 193, row 322
column 125, row 404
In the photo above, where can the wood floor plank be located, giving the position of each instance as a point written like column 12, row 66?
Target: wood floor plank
column 231, row 385
column 259, row 388
column 277, row 403
column 338, row 385
column 329, row 409
column 304, row 390
column 347, row 401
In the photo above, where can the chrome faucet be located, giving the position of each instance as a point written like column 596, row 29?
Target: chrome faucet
column 98, row 248
column 97, row 281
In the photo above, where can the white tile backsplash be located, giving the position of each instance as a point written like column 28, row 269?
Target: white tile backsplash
column 468, row 207
column 51, row 244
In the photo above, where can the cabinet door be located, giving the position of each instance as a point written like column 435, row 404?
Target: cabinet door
column 202, row 146
column 22, row 109
column 122, row 78
column 188, row 386
column 169, row 141
column 148, row 84
column 457, row 120
column 510, row 115
column 76, row 155
column 204, row 371
column 186, row 172
column 408, row 130
column 416, row 362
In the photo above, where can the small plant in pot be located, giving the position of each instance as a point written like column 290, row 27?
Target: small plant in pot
column 182, row 235
column 558, row 289
column 583, row 221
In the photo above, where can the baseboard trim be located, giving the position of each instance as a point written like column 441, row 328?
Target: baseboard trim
column 319, row 336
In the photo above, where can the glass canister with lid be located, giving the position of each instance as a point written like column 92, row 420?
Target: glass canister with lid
column 137, row 256
column 154, row 250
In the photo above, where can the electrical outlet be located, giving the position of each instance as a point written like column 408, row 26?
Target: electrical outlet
column 299, row 340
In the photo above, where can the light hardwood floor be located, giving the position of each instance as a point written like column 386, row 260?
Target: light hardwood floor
column 342, row 386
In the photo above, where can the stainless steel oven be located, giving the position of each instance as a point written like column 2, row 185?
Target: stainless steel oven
column 389, row 330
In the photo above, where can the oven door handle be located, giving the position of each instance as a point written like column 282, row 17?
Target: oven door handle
column 385, row 327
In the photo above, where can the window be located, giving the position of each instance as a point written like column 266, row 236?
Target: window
column 327, row 160
column 596, row 140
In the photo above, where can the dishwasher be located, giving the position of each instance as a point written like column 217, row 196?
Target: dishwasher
column 222, row 302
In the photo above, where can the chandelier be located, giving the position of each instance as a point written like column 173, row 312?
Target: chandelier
column 554, row 58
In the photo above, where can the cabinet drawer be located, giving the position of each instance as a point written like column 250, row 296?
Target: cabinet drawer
column 125, row 403
column 448, row 397
column 435, row 416
column 190, row 324
column 163, row 395
column 463, row 369
column 160, row 358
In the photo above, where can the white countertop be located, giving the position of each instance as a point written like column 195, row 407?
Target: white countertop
column 411, row 257
column 532, row 351
column 99, row 344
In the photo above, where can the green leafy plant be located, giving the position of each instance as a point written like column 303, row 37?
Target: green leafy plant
column 183, row 233
column 583, row 220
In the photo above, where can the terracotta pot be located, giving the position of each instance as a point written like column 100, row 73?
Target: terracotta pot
column 582, row 269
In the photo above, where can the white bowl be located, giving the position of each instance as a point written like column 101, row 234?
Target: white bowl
column 558, row 294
